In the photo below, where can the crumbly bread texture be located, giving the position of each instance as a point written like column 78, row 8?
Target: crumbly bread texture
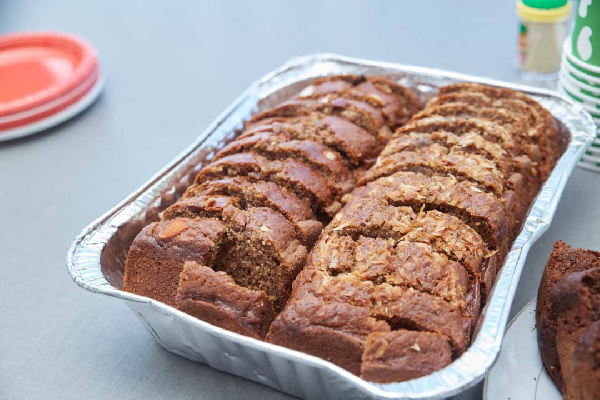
column 414, row 253
column 214, row 297
column 352, row 224
column 567, row 316
column 402, row 355
column 228, row 250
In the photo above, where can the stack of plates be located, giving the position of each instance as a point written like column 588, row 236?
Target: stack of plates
column 45, row 79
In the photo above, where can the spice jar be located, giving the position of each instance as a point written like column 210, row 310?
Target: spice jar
column 542, row 31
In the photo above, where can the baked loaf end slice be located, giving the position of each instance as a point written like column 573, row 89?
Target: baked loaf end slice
column 260, row 249
column 403, row 355
column 157, row 254
column 376, row 308
column 214, row 297
column 253, row 252
column 575, row 304
column 585, row 382
column 563, row 261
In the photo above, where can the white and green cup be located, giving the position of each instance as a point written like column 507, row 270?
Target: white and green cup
column 585, row 39
column 576, row 63
column 582, row 78
column 585, row 93
column 594, row 112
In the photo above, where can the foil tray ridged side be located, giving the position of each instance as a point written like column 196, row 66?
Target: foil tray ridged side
column 97, row 256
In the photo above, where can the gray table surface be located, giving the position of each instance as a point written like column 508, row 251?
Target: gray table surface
column 171, row 68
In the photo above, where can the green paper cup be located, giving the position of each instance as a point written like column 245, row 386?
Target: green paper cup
column 576, row 63
column 587, row 93
column 591, row 160
column 593, row 107
column 593, row 152
column 589, row 166
column 578, row 75
column 585, row 39
column 594, row 112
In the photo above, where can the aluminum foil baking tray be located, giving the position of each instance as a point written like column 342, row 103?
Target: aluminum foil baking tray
column 97, row 256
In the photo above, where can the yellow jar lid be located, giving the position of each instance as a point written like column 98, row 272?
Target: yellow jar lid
column 532, row 14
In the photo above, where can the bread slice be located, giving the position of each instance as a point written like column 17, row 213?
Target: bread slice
column 264, row 194
column 436, row 160
column 324, row 312
column 575, row 302
column 402, row 355
column 446, row 234
column 461, row 125
column 156, row 257
column 555, row 141
column 514, row 125
column 537, row 130
column 396, row 102
column 525, row 158
column 354, row 143
column 260, row 250
column 355, row 111
column 563, row 261
column 483, row 212
column 214, row 297
column 466, row 144
column 291, row 174
column 320, row 158
column 584, row 383
column 399, row 263
column 334, row 331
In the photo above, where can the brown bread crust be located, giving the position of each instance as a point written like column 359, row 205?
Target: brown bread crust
column 515, row 126
column 481, row 211
column 575, row 305
column 536, row 129
column 446, row 234
column 320, row 158
column 294, row 175
column 394, row 285
column 334, row 331
column 401, row 307
column 585, row 382
column 403, row 355
column 264, row 194
column 375, row 308
column 396, row 102
column 355, row 111
column 158, row 253
column 461, row 125
column 543, row 117
column 489, row 131
column 468, row 143
column 214, row 297
column 400, row 263
column 436, row 160
column 350, row 140
column 563, row 261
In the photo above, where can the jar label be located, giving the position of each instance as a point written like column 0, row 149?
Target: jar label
column 522, row 43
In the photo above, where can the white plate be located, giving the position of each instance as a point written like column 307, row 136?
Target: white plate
column 518, row 373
